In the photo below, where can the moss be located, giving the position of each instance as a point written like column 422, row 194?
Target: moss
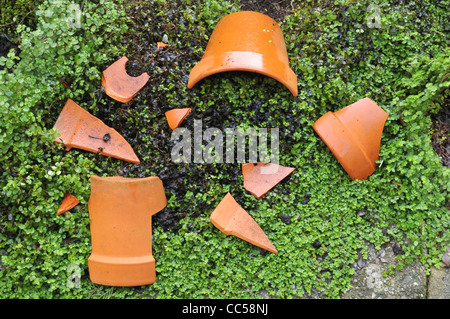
column 17, row 12
column 338, row 59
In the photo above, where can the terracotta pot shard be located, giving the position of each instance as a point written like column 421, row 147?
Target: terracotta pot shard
column 353, row 134
column 119, row 85
column 231, row 219
column 79, row 129
column 260, row 178
column 176, row 116
column 120, row 212
column 69, row 201
column 161, row 45
column 246, row 41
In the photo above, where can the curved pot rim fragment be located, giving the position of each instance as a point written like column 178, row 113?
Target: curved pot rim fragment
column 231, row 219
column 353, row 134
column 80, row 129
column 246, row 41
column 119, row 85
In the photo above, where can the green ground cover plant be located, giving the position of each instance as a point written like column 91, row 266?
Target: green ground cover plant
column 402, row 65
column 14, row 13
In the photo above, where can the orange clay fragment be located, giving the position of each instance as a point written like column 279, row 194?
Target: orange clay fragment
column 262, row 177
column 69, row 201
column 120, row 212
column 119, row 85
column 79, row 129
column 246, row 41
column 232, row 219
column 161, row 45
column 353, row 134
column 176, row 116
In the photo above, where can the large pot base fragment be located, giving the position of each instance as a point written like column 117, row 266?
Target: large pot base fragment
column 120, row 212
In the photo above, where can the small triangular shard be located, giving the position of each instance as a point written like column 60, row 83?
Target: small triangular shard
column 69, row 201
column 79, row 129
column 231, row 219
column 259, row 178
column 176, row 116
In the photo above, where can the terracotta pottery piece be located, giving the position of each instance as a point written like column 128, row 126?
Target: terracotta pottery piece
column 353, row 134
column 120, row 212
column 259, row 178
column 161, row 45
column 176, row 116
column 231, row 219
column 69, row 201
column 79, row 129
column 119, row 85
column 246, row 41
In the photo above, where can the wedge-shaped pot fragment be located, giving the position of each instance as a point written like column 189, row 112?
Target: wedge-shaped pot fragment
column 259, row 178
column 246, row 41
column 69, row 201
column 176, row 116
column 80, row 129
column 231, row 219
column 120, row 212
column 353, row 134
column 119, row 85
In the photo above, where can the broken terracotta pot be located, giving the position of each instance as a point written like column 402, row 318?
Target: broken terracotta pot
column 79, row 129
column 259, row 178
column 120, row 212
column 119, row 85
column 69, row 201
column 231, row 219
column 161, row 45
column 176, row 116
column 246, row 41
column 353, row 134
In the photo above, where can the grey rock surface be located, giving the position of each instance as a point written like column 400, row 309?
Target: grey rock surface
column 369, row 281
column 439, row 284
column 439, row 280
column 411, row 282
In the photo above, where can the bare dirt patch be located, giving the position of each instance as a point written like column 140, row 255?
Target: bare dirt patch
column 277, row 10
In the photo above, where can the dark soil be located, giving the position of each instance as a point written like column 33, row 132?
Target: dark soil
column 277, row 10
column 6, row 45
column 286, row 219
column 151, row 136
column 439, row 139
